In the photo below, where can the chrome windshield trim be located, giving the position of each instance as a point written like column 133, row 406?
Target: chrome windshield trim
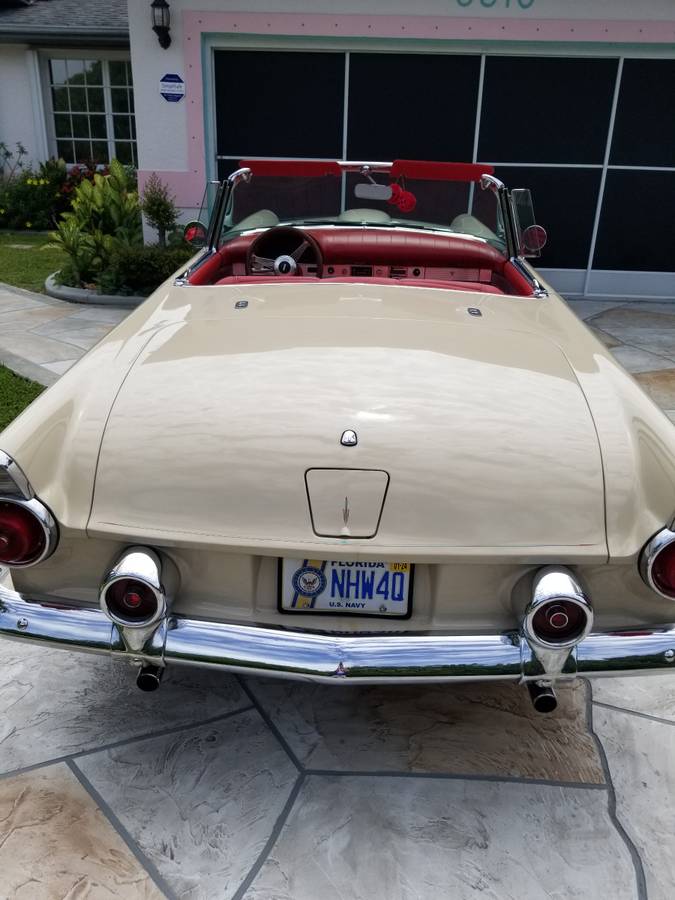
column 537, row 290
column 372, row 658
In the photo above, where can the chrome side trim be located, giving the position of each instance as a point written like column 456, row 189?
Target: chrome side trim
column 333, row 659
column 47, row 522
column 13, row 482
column 537, row 290
column 649, row 554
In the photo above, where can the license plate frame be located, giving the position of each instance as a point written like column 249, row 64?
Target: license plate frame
column 343, row 611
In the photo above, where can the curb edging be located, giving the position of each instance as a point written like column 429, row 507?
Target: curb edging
column 81, row 295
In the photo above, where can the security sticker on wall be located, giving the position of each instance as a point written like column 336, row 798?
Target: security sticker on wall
column 172, row 87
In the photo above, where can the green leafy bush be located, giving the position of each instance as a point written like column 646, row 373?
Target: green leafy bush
column 35, row 198
column 105, row 216
column 140, row 270
column 159, row 207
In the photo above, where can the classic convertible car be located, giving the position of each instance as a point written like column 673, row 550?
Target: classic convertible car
column 359, row 439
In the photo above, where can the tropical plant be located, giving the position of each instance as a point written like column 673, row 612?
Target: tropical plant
column 11, row 161
column 105, row 216
column 159, row 207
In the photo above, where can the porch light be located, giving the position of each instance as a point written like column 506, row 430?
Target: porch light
column 161, row 22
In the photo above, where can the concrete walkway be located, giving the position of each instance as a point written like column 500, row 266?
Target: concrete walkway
column 220, row 787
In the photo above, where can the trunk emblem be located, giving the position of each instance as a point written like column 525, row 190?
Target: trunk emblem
column 349, row 438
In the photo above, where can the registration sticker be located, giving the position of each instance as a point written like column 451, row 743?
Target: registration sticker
column 329, row 586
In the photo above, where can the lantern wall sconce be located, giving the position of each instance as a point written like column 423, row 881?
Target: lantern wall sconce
column 161, row 22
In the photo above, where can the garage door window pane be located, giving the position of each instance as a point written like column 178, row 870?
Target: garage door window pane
column 279, row 104
column 637, row 224
column 564, row 203
column 644, row 129
column 551, row 110
column 410, row 106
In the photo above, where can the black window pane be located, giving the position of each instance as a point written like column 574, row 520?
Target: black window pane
column 94, row 73
column 123, row 152
column 64, row 150
column 82, row 151
column 57, row 69
column 95, row 100
column 99, row 151
column 539, row 109
column 120, row 100
column 75, row 70
column 97, row 127
column 60, row 99
column 644, row 128
column 409, row 106
column 637, row 223
column 78, row 99
column 118, row 72
column 121, row 125
column 80, row 126
column 131, row 100
column 565, row 202
column 62, row 126
column 279, row 104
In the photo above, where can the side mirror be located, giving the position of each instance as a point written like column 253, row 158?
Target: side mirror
column 194, row 233
column 534, row 239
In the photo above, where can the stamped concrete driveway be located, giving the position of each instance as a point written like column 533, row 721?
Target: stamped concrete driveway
column 219, row 787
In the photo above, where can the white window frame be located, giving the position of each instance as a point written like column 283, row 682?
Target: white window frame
column 105, row 56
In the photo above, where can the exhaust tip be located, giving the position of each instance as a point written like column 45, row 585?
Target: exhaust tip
column 543, row 697
column 149, row 678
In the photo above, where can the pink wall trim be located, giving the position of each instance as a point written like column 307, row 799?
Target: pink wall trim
column 189, row 186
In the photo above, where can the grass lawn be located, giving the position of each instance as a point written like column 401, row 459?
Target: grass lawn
column 15, row 395
column 26, row 259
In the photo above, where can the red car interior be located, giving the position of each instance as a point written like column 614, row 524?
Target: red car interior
column 379, row 256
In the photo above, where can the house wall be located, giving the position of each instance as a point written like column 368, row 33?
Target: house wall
column 178, row 139
column 21, row 112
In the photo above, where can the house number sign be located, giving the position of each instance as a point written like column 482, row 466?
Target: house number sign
column 504, row 4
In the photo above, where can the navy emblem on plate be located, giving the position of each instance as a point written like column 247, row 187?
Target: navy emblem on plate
column 309, row 581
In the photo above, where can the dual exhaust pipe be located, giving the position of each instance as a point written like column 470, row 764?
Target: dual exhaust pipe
column 557, row 618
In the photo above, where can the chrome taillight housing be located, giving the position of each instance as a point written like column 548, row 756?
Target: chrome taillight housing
column 559, row 614
column 132, row 594
column 28, row 531
column 657, row 563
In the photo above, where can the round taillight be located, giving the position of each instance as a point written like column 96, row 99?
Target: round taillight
column 663, row 570
column 22, row 535
column 559, row 621
column 131, row 602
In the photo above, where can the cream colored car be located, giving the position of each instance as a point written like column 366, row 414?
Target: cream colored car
column 358, row 440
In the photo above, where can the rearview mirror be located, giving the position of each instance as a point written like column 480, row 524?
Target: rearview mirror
column 370, row 191
column 195, row 233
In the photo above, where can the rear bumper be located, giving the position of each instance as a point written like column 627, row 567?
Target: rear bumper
column 332, row 658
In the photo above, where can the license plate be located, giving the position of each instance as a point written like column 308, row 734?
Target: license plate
column 366, row 588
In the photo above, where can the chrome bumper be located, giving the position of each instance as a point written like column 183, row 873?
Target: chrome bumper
column 320, row 657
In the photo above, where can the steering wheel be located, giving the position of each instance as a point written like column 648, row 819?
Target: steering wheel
column 278, row 251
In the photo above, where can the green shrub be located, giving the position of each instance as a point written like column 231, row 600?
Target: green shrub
column 105, row 216
column 35, row 198
column 159, row 207
column 140, row 270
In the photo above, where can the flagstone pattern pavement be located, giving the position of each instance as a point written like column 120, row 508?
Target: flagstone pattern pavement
column 224, row 787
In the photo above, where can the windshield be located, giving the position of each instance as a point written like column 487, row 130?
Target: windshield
column 365, row 197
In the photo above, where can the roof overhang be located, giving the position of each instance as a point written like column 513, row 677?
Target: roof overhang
column 63, row 36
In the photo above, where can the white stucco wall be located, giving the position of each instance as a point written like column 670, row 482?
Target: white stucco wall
column 21, row 116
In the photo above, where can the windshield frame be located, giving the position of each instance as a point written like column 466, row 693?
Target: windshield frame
column 474, row 173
